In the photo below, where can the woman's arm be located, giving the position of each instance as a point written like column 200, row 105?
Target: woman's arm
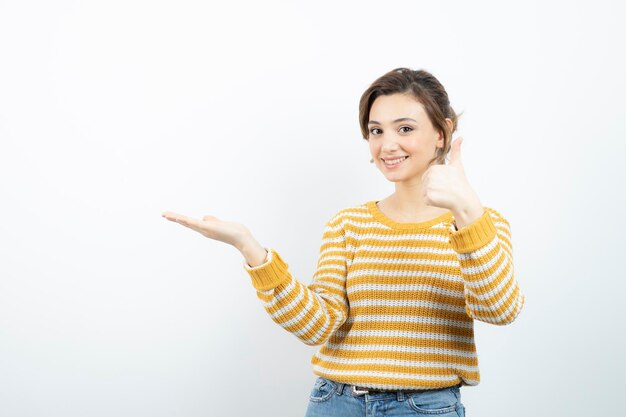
column 314, row 312
column 486, row 258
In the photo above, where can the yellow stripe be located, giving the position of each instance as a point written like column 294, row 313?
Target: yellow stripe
column 408, row 341
column 408, row 356
column 391, row 368
column 422, row 327
column 364, row 380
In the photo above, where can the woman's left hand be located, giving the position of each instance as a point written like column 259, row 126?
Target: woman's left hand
column 446, row 186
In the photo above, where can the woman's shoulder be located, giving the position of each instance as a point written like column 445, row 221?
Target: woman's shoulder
column 354, row 210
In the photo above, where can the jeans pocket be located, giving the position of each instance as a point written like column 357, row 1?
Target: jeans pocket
column 434, row 402
column 323, row 390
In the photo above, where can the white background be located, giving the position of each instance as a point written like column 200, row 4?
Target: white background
column 112, row 112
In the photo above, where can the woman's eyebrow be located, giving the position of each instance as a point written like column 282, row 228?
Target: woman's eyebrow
column 395, row 121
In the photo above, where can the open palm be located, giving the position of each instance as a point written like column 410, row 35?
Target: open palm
column 211, row 227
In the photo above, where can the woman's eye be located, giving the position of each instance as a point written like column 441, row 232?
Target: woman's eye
column 372, row 131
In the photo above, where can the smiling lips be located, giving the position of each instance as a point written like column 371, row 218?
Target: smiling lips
column 395, row 162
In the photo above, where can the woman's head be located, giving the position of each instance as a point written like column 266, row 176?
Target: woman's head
column 405, row 93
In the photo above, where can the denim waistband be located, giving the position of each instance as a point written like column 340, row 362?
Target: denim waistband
column 341, row 388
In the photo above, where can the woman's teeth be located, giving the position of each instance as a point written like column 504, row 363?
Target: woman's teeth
column 394, row 162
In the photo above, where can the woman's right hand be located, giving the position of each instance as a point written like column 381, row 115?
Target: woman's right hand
column 212, row 227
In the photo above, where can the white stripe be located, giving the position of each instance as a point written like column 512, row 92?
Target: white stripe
column 323, row 262
column 330, row 269
column 380, row 374
column 358, row 210
column 407, row 303
column 369, row 318
column 316, row 282
column 333, row 227
column 395, row 362
column 386, row 238
column 402, row 333
column 357, row 347
column 372, row 224
column 335, row 257
column 333, row 242
column 318, row 276
column 287, row 290
column 404, row 273
column 325, row 272
column 356, row 288
column 451, row 262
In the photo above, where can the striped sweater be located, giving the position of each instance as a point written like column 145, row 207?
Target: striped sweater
column 393, row 303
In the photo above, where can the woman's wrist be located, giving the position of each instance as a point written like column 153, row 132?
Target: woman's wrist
column 467, row 213
column 254, row 253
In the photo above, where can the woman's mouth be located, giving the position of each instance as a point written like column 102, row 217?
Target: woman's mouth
column 394, row 163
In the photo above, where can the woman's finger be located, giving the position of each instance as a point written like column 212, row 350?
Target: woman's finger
column 190, row 223
column 184, row 220
column 175, row 217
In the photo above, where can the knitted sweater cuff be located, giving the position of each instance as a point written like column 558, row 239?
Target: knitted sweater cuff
column 475, row 235
column 269, row 274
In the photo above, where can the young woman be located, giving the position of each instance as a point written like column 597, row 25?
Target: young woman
column 399, row 281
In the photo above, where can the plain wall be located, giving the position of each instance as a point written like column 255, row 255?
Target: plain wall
column 113, row 112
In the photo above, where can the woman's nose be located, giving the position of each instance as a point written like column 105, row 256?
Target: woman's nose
column 390, row 145
column 389, row 139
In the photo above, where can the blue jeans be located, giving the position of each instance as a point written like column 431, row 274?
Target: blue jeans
column 334, row 399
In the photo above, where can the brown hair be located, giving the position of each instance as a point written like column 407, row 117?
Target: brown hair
column 426, row 89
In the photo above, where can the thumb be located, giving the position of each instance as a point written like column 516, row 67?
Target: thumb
column 455, row 151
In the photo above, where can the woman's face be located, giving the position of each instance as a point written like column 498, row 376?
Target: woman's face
column 389, row 137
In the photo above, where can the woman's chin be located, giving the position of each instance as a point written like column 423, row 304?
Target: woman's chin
column 396, row 178
column 403, row 177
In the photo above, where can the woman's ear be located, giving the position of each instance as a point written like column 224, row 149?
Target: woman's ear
column 450, row 124
column 441, row 135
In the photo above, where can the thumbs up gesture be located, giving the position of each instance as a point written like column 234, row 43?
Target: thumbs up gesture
column 446, row 186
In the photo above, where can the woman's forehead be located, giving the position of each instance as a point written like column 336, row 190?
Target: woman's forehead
column 396, row 107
